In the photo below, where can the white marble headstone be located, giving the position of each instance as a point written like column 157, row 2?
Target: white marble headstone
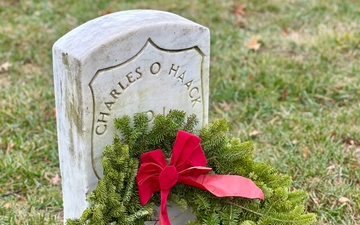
column 121, row 64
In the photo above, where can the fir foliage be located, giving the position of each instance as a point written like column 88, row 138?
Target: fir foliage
column 115, row 199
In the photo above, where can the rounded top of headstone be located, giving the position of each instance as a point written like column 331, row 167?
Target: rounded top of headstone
column 130, row 24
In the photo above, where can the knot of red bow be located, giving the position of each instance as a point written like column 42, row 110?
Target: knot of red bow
column 187, row 166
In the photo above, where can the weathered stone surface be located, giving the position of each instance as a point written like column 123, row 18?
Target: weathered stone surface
column 122, row 63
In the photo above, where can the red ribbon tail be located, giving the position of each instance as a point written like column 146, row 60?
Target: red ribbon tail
column 164, row 217
column 226, row 185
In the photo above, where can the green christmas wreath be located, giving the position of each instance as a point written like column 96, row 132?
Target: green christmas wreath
column 116, row 201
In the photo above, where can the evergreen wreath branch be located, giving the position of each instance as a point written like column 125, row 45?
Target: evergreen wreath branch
column 300, row 220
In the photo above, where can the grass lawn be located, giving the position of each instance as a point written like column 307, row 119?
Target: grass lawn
column 286, row 74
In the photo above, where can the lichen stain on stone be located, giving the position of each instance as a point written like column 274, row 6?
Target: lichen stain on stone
column 72, row 112
column 73, row 100
column 71, row 143
column 65, row 61
column 69, row 111
column 79, row 106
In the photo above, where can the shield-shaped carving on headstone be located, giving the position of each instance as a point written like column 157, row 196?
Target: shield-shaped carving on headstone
column 153, row 81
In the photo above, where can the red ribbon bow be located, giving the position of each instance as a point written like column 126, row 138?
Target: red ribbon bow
column 187, row 166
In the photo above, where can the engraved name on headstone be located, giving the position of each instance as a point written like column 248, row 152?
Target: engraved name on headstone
column 121, row 64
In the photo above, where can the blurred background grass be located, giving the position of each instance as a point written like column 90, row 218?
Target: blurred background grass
column 284, row 73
